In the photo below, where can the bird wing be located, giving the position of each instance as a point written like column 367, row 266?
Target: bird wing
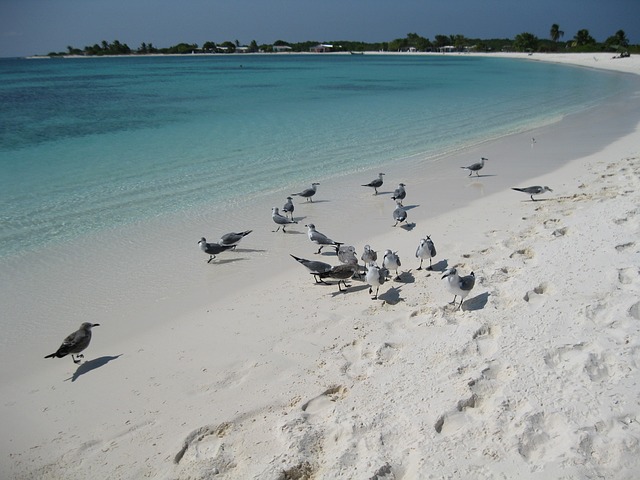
column 467, row 282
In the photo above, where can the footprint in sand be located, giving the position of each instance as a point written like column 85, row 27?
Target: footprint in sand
column 535, row 296
column 627, row 276
column 625, row 246
column 525, row 253
column 480, row 390
column 325, row 400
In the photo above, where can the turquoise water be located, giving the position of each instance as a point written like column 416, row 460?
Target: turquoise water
column 90, row 144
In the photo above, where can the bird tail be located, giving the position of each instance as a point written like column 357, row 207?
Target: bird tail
column 296, row 258
column 517, row 189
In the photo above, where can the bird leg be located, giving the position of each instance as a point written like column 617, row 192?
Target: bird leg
column 320, row 249
column 74, row 359
column 420, row 267
column 430, row 265
column 274, row 231
column 211, row 257
column 454, row 300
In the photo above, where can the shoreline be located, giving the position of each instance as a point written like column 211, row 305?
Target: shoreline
column 288, row 325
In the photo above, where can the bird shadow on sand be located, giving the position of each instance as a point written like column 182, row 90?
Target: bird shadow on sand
column 476, row 303
column 311, row 203
column 89, row 365
column 249, row 250
column 405, row 277
column 391, row 296
column 481, row 176
column 215, row 261
column 290, row 232
column 408, row 226
column 350, row 289
column 441, row 266
column 410, row 207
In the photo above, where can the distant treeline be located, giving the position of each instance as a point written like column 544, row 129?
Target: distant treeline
column 524, row 42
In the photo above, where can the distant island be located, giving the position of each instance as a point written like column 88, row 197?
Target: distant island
column 582, row 41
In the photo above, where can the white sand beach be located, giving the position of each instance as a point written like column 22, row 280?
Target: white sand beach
column 246, row 368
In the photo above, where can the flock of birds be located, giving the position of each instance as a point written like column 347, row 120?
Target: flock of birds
column 374, row 275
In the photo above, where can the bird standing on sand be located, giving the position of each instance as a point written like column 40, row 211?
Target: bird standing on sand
column 535, row 190
column 314, row 267
column 280, row 220
column 347, row 254
column 399, row 193
column 377, row 183
column 212, row 249
column 232, row 239
column 321, row 239
column 426, row 249
column 399, row 214
column 369, row 255
column 308, row 192
column 75, row 343
column 459, row 286
column 288, row 207
column 375, row 277
column 476, row 167
column 391, row 261
column 341, row 273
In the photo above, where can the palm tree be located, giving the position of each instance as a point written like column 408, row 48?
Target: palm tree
column 583, row 38
column 555, row 32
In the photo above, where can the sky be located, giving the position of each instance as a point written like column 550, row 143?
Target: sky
column 29, row 27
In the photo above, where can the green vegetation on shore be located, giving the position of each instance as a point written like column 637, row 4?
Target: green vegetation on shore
column 523, row 42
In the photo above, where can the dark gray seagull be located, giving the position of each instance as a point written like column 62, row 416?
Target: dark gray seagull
column 232, row 239
column 459, row 286
column 280, row 220
column 399, row 193
column 308, row 192
column 288, row 207
column 377, row 183
column 476, row 167
column 314, row 267
column 535, row 190
column 212, row 249
column 342, row 273
column 321, row 239
column 75, row 343
column 426, row 249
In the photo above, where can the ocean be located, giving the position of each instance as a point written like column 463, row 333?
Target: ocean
column 91, row 144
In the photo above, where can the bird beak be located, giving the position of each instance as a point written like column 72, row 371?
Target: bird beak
column 446, row 274
column 95, row 325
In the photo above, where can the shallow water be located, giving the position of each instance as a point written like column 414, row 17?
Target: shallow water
column 88, row 145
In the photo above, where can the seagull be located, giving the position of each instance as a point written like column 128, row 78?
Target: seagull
column 476, row 166
column 281, row 220
column 75, row 343
column 308, row 192
column 536, row 190
column 375, row 183
column 375, row 277
column 288, row 207
column 341, row 273
column 369, row 255
column 347, row 254
column 391, row 261
column 232, row 239
column 321, row 239
column 314, row 267
column 399, row 193
column 212, row 249
column 399, row 214
column 426, row 249
column 459, row 285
